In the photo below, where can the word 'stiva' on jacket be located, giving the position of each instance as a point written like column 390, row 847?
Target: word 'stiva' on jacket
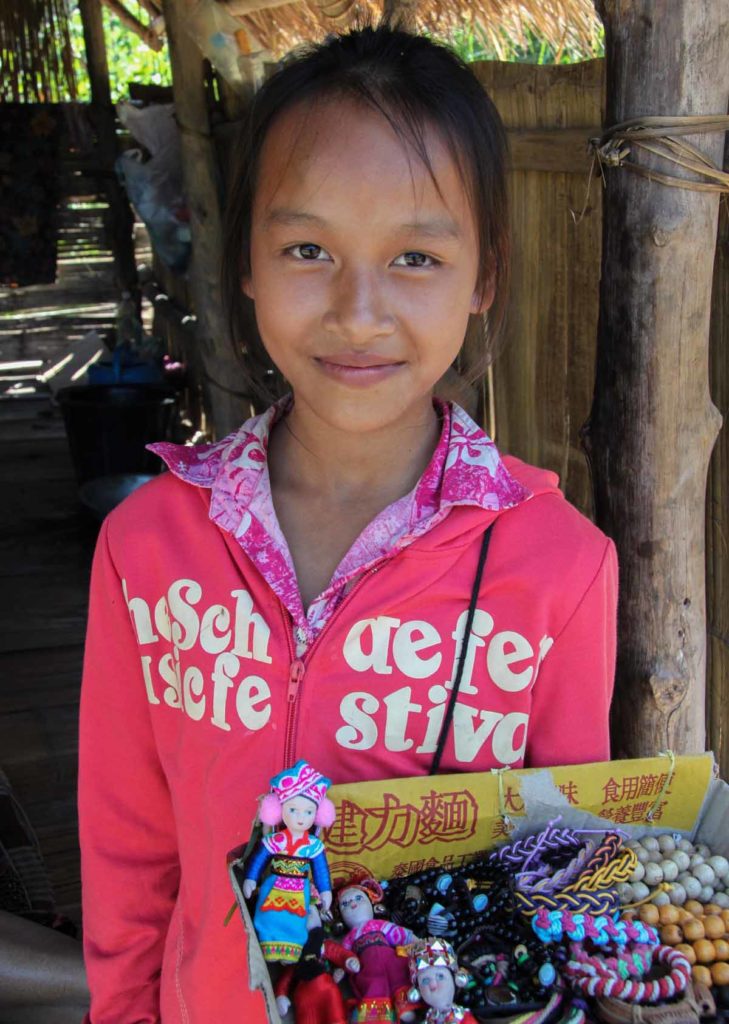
column 204, row 676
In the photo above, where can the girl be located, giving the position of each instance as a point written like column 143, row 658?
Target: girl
column 303, row 587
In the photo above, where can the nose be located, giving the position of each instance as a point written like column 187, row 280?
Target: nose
column 359, row 307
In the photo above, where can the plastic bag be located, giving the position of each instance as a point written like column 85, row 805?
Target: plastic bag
column 168, row 225
column 154, row 186
column 227, row 43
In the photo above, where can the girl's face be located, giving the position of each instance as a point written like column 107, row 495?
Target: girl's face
column 362, row 271
column 298, row 814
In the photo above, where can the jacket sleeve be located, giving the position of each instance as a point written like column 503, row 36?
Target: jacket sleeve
column 130, row 869
column 569, row 721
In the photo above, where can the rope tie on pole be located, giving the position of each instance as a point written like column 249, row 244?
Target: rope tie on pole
column 660, row 137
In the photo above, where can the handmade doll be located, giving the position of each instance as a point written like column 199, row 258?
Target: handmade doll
column 380, row 985
column 315, row 995
column 298, row 799
column 435, row 974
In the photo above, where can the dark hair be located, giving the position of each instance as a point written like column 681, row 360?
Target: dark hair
column 415, row 84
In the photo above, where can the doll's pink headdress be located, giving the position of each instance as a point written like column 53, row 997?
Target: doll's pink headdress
column 301, row 780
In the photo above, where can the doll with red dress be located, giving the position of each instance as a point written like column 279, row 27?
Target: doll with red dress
column 381, row 982
column 309, row 987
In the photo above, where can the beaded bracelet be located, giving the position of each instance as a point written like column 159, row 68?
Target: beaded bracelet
column 594, row 976
column 554, row 925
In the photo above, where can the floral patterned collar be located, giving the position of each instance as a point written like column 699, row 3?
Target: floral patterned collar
column 465, row 469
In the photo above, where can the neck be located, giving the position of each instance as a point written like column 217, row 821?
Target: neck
column 308, row 456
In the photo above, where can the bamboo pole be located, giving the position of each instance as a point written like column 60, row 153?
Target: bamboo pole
column 145, row 32
column 120, row 219
column 203, row 190
column 653, row 426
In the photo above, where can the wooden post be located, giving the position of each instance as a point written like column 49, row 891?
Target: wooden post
column 120, row 220
column 201, row 175
column 717, row 506
column 653, row 426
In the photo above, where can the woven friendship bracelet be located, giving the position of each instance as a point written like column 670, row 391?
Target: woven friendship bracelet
column 522, row 851
column 597, row 977
column 595, row 903
column 618, row 870
column 554, row 925
column 539, row 881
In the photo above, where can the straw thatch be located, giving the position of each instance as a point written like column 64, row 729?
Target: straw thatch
column 35, row 51
column 563, row 24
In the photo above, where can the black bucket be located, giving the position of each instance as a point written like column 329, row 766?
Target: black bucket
column 108, row 427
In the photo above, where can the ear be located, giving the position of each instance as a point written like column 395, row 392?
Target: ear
column 246, row 286
column 482, row 301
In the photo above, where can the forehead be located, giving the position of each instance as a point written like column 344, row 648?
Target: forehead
column 299, row 803
column 338, row 157
column 346, row 893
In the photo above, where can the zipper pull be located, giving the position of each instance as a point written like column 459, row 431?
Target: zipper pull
column 296, row 674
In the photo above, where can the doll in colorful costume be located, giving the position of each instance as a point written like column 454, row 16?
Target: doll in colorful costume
column 435, row 975
column 380, row 985
column 309, row 986
column 298, row 799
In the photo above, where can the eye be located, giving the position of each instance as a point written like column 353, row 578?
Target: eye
column 307, row 251
column 416, row 259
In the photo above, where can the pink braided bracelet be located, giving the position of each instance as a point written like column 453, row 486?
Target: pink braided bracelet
column 596, row 976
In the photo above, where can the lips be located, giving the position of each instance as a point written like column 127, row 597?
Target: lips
column 358, row 360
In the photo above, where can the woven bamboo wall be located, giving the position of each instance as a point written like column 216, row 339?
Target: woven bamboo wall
column 544, row 374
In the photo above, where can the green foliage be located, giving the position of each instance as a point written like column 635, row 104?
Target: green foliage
column 472, row 43
column 130, row 59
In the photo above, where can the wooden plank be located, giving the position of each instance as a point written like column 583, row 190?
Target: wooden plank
column 27, row 549
column 44, row 611
column 40, row 750
column 46, row 458
column 545, row 371
column 46, row 678
column 557, row 151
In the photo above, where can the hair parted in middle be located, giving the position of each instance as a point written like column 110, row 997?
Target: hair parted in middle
column 416, row 85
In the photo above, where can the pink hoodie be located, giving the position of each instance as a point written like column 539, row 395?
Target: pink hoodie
column 201, row 681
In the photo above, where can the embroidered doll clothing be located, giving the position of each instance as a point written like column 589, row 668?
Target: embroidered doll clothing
column 454, row 1015
column 382, row 971
column 197, row 689
column 285, row 895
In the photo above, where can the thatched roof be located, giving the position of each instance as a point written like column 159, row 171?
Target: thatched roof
column 572, row 24
column 35, row 50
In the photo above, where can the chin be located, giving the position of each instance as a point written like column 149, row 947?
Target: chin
column 366, row 412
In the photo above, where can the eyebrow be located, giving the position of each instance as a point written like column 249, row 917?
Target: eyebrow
column 433, row 227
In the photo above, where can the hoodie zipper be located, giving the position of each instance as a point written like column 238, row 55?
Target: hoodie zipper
column 298, row 667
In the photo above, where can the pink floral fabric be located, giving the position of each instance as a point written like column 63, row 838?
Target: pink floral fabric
column 466, row 469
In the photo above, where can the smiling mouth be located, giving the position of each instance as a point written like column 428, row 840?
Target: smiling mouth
column 358, row 362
